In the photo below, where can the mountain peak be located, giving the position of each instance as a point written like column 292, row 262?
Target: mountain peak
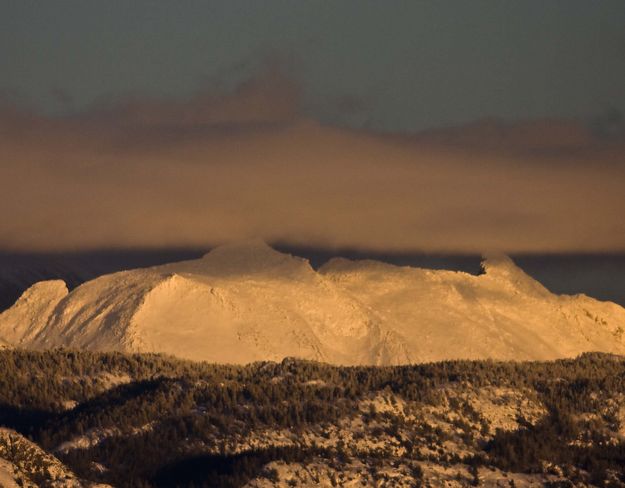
column 251, row 256
column 498, row 263
column 502, row 268
column 255, row 245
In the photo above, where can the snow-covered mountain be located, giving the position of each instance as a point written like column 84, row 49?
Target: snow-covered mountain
column 247, row 302
column 500, row 314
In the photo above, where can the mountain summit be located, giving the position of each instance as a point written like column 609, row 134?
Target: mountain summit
column 247, row 302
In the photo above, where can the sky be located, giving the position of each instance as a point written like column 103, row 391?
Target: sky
column 432, row 126
column 399, row 65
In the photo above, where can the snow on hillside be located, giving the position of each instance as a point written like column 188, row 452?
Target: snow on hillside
column 247, row 302
column 501, row 314
column 20, row 323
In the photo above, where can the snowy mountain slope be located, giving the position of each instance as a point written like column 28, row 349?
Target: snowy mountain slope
column 29, row 315
column 247, row 302
column 502, row 313
column 239, row 303
column 19, row 271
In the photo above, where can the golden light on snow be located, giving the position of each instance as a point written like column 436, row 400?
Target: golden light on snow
column 246, row 302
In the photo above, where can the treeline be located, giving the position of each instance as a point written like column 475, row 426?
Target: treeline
column 169, row 413
column 44, row 379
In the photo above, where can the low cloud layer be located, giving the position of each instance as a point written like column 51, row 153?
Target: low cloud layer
column 250, row 163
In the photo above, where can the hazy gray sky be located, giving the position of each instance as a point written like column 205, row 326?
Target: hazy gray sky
column 393, row 65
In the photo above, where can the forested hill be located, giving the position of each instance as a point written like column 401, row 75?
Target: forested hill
column 151, row 421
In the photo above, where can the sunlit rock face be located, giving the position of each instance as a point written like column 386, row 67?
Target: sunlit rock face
column 246, row 302
column 23, row 464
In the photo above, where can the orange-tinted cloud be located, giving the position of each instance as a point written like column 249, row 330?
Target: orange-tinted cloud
column 250, row 163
